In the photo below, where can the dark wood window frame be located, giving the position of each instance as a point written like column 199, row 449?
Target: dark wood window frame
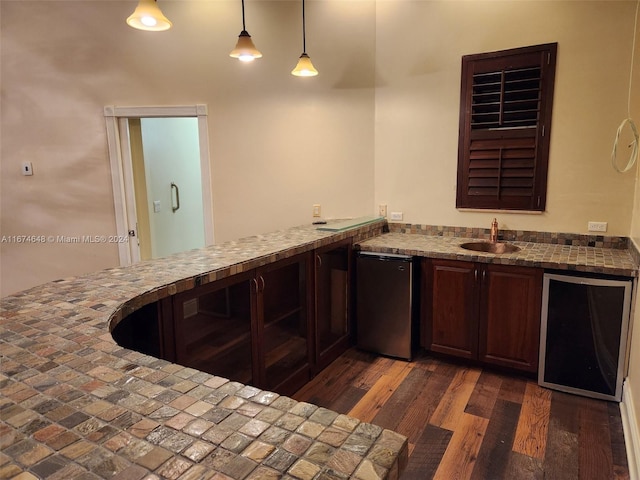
column 506, row 100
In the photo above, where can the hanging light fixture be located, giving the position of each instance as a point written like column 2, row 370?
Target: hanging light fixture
column 245, row 50
column 148, row 16
column 304, row 68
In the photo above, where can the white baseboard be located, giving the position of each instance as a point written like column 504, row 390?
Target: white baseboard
column 631, row 429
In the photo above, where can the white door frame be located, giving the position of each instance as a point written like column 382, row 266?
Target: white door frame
column 121, row 168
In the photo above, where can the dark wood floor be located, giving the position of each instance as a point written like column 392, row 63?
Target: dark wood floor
column 468, row 423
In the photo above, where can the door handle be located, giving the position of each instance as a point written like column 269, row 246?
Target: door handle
column 177, row 205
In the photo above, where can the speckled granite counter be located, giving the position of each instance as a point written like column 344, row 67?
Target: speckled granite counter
column 75, row 405
column 612, row 261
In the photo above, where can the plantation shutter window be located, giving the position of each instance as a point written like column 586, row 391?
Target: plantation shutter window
column 506, row 100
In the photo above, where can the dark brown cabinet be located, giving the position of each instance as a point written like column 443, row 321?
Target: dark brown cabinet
column 332, row 302
column 251, row 327
column 272, row 327
column 484, row 312
column 510, row 316
column 212, row 328
column 450, row 319
column 283, row 322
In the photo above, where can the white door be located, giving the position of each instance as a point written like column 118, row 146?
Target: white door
column 161, row 180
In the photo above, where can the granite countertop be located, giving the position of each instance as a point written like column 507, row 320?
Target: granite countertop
column 611, row 261
column 75, row 405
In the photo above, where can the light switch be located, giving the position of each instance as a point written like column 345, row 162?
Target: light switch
column 156, row 206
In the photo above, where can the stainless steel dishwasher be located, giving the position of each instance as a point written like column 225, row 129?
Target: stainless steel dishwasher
column 385, row 304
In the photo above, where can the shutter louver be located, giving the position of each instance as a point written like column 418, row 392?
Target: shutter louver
column 506, row 99
column 499, row 169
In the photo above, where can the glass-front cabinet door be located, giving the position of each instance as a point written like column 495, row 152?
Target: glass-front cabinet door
column 213, row 328
column 271, row 327
column 332, row 280
column 283, row 324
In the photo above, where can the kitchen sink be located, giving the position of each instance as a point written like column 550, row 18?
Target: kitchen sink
column 490, row 247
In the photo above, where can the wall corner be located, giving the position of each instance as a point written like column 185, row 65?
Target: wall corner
column 631, row 429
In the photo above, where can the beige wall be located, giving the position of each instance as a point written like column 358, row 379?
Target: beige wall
column 633, row 379
column 418, row 96
column 378, row 125
column 279, row 144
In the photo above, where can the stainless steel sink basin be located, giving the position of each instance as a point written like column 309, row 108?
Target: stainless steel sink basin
column 490, row 247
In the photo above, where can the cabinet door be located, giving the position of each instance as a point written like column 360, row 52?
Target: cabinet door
column 450, row 319
column 212, row 328
column 510, row 321
column 332, row 280
column 283, row 324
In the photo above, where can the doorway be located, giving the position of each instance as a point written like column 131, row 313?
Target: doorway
column 161, row 179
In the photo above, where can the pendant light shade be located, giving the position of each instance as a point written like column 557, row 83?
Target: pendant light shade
column 148, row 16
column 245, row 50
column 304, row 68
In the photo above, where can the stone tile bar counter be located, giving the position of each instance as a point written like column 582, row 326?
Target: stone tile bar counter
column 618, row 260
column 75, row 405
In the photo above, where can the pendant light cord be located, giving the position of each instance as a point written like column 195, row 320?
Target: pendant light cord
column 244, row 28
column 304, row 34
column 634, row 144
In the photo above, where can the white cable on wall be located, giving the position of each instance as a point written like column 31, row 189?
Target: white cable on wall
column 628, row 121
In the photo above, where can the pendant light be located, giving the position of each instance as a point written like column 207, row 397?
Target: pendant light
column 245, row 50
column 304, row 68
column 148, row 16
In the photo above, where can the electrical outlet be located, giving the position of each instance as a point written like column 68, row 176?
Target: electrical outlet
column 382, row 210
column 316, row 210
column 396, row 215
column 27, row 169
column 597, row 226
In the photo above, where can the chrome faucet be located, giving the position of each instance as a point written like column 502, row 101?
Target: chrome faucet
column 493, row 236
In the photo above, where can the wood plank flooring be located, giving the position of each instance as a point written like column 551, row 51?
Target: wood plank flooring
column 465, row 422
